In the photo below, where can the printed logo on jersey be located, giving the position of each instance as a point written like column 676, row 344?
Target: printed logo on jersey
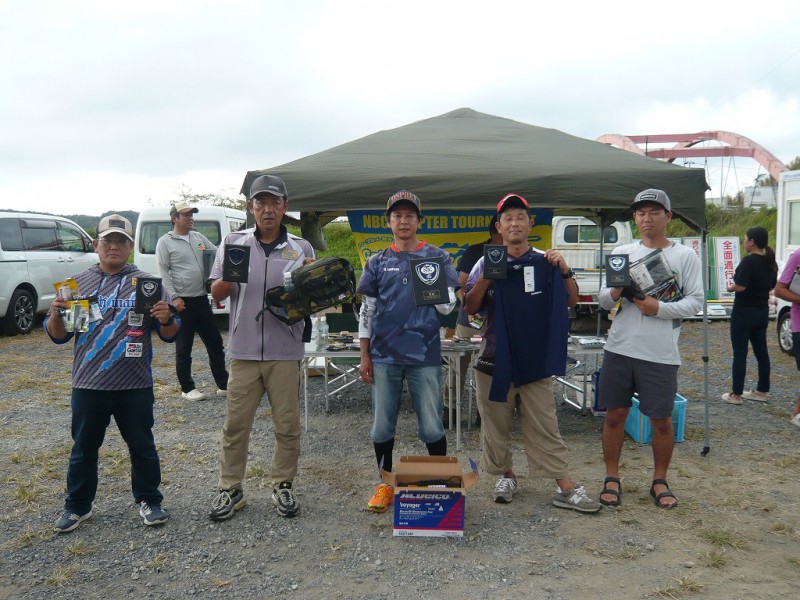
column 289, row 253
column 134, row 333
column 133, row 349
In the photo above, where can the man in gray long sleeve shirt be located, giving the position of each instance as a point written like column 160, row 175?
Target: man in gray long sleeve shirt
column 180, row 265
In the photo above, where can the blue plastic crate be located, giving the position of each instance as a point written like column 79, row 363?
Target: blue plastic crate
column 639, row 428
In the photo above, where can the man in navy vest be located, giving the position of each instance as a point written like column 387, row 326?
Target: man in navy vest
column 524, row 345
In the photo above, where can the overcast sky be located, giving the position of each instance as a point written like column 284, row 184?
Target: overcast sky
column 118, row 105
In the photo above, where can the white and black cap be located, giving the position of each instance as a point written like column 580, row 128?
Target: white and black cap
column 654, row 197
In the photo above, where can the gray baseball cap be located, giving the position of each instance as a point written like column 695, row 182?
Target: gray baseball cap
column 269, row 184
column 654, row 196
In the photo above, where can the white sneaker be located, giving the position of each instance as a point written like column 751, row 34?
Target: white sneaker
column 221, row 392
column 504, row 490
column 195, row 394
column 752, row 395
column 795, row 420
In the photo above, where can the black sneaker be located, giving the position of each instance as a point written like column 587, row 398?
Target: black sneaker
column 70, row 520
column 284, row 501
column 226, row 504
column 152, row 513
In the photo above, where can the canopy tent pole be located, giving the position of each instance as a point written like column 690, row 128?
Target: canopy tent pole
column 704, row 266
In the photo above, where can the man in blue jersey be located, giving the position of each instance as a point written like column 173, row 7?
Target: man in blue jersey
column 400, row 340
column 524, row 344
column 111, row 375
column 641, row 354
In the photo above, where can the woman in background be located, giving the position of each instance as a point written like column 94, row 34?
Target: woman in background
column 752, row 281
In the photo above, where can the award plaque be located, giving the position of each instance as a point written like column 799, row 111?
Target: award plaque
column 495, row 259
column 429, row 281
column 236, row 264
column 148, row 292
column 617, row 271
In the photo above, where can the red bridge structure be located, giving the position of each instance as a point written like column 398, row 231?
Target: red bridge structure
column 738, row 145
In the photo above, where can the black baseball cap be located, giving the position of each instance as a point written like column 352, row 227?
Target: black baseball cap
column 268, row 184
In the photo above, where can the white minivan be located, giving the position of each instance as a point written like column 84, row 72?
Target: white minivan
column 214, row 222
column 37, row 251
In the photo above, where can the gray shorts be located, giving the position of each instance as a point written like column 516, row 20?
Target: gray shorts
column 656, row 384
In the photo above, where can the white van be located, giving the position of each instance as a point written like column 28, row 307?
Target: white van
column 578, row 240
column 214, row 222
column 37, row 251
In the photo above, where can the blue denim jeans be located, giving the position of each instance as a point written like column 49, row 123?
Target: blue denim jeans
column 425, row 389
column 91, row 414
column 749, row 325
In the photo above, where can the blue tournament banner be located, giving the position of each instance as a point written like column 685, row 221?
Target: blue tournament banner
column 450, row 230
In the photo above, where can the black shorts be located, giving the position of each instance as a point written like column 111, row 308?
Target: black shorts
column 656, row 384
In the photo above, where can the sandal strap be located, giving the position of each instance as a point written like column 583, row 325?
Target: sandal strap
column 660, row 482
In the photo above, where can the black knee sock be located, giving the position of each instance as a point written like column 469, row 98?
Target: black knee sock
column 383, row 454
column 438, row 448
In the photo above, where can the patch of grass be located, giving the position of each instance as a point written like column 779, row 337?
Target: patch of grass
column 630, row 553
column 115, row 462
column 780, row 527
column 684, row 585
column 24, row 381
column 693, row 433
column 28, row 538
column 27, row 494
column 715, row 559
column 335, row 550
column 79, row 548
column 630, row 521
column 160, row 560
column 61, row 576
column 15, row 458
column 723, row 537
column 786, row 462
column 220, row 582
column 256, row 471
column 794, row 561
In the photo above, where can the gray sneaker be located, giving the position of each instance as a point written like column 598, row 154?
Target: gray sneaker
column 576, row 499
column 152, row 514
column 284, row 500
column 226, row 504
column 70, row 520
column 504, row 490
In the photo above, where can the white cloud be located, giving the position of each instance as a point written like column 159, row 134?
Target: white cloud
column 154, row 95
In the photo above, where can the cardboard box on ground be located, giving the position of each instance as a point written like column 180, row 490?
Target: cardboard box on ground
column 430, row 495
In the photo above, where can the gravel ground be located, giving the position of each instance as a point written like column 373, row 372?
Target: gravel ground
column 736, row 533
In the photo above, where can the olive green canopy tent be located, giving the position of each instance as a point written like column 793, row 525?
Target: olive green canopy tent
column 465, row 159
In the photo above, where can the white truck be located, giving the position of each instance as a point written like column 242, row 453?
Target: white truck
column 214, row 222
column 578, row 240
column 787, row 240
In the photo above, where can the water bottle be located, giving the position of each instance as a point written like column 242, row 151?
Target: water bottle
column 288, row 284
column 322, row 333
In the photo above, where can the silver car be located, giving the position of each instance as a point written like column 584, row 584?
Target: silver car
column 36, row 251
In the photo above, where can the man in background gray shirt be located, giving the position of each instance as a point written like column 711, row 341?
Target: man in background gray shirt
column 180, row 265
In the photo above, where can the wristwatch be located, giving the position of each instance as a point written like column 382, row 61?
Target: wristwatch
column 569, row 274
